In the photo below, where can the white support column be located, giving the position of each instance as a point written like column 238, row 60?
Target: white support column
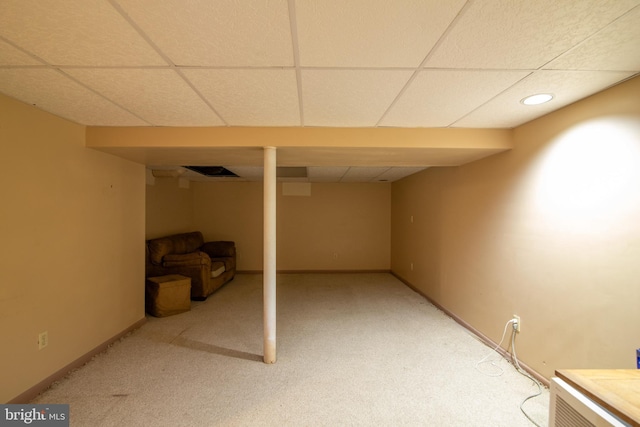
column 269, row 285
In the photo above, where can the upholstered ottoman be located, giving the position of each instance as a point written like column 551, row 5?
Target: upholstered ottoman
column 168, row 295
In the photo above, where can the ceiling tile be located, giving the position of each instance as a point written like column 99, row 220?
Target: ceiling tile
column 395, row 174
column 506, row 111
column 159, row 96
column 9, row 55
column 355, row 98
column 522, row 34
column 370, row 33
column 437, row 98
column 220, row 33
column 250, row 173
column 363, row 174
column 617, row 47
column 74, row 32
column 253, row 97
column 327, row 173
column 51, row 91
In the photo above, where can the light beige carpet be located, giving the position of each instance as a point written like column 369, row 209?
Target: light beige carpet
column 353, row 349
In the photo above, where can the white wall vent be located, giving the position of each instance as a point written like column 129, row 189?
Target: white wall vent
column 570, row 408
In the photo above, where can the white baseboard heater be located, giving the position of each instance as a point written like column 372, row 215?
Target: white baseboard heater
column 570, row 408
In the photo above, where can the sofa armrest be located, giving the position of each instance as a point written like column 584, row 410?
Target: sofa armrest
column 219, row 249
column 183, row 260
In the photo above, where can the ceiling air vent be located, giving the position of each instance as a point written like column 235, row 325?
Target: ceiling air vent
column 212, row 171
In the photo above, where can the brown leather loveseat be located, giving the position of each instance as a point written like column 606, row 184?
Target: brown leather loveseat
column 209, row 264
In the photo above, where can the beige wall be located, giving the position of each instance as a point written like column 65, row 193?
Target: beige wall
column 72, row 227
column 337, row 227
column 169, row 207
column 549, row 231
column 341, row 226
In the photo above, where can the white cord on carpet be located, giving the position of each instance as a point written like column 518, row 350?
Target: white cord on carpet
column 483, row 360
column 526, row 374
column 516, row 364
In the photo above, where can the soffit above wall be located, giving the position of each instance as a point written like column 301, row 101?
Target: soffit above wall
column 330, row 155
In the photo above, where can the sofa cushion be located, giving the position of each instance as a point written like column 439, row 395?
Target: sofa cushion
column 158, row 248
column 177, row 244
column 229, row 262
column 183, row 260
column 187, row 242
column 219, row 248
column 217, row 268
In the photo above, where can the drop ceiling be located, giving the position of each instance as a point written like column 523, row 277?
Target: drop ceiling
column 326, row 174
column 312, row 63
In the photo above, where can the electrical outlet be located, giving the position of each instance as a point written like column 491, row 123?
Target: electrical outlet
column 517, row 324
column 43, row 340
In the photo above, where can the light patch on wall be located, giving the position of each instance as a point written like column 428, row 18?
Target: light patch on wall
column 296, row 189
column 590, row 173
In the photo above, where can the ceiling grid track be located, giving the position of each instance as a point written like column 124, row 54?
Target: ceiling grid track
column 586, row 39
column 168, row 60
column 426, row 58
column 92, row 90
column 296, row 56
column 59, row 70
column 496, row 96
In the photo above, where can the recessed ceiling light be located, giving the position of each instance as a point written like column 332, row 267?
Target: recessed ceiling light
column 540, row 98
